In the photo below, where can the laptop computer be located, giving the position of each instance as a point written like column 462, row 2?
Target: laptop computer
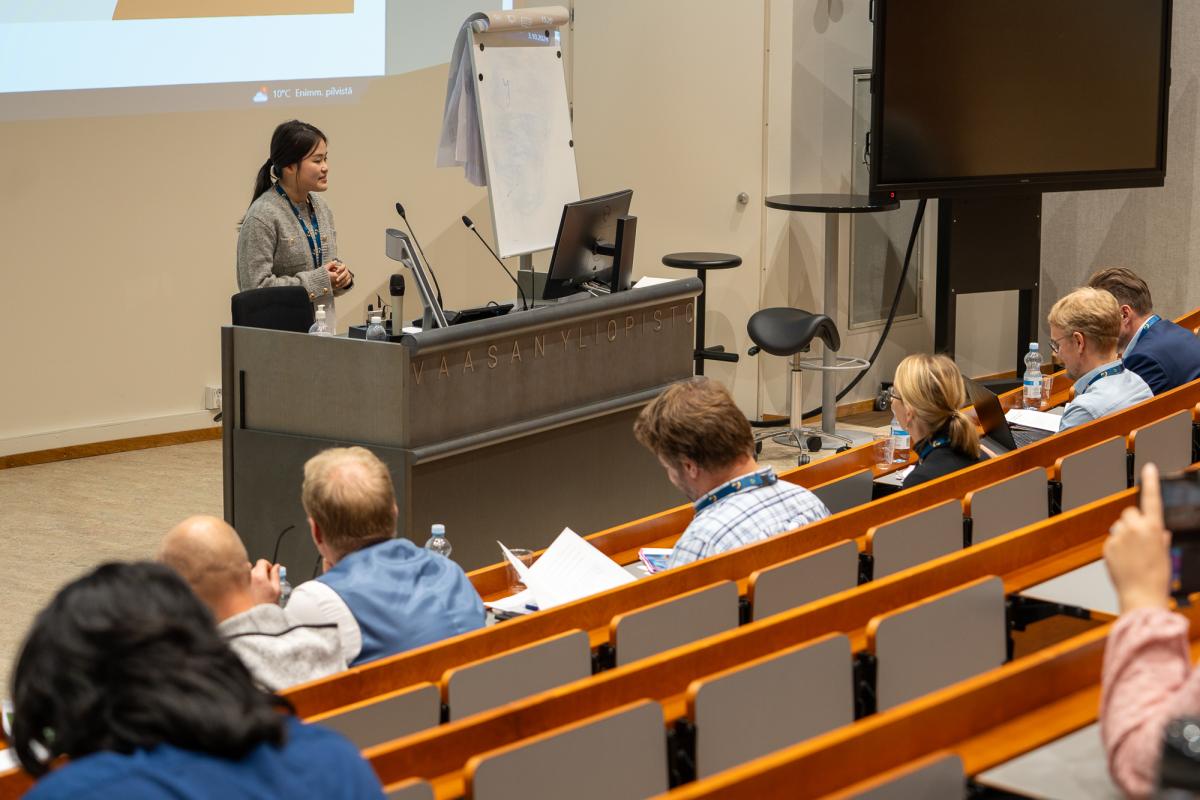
column 995, row 426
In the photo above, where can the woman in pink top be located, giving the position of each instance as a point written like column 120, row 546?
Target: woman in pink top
column 1148, row 677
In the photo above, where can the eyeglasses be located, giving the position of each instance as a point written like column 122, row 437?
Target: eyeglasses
column 893, row 396
column 1054, row 343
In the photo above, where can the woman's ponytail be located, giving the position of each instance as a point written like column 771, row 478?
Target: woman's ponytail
column 963, row 436
column 263, row 182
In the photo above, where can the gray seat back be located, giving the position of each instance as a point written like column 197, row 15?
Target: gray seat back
column 501, row 679
column 771, row 703
column 1007, row 505
column 671, row 623
column 917, row 538
column 802, row 580
column 621, row 755
column 1093, row 473
column 391, row 716
column 1166, row 443
column 937, row 642
column 849, row 492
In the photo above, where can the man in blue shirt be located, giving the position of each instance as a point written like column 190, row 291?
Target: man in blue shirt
column 1084, row 327
column 705, row 444
column 385, row 594
column 1165, row 355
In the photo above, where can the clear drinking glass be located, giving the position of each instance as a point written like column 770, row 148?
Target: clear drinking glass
column 883, row 449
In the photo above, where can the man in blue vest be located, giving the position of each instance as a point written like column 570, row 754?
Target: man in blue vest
column 385, row 594
column 1162, row 353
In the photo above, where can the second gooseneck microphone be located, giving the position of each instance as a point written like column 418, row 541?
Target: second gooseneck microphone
column 471, row 227
column 438, row 286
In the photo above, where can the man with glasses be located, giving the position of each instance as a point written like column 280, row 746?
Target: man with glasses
column 1084, row 330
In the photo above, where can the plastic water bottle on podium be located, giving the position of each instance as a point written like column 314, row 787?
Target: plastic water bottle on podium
column 437, row 542
column 375, row 331
column 285, row 588
column 900, row 441
column 1031, row 392
column 320, row 327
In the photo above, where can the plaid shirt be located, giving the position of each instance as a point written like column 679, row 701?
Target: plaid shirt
column 745, row 517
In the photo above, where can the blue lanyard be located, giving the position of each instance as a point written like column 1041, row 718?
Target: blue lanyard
column 1137, row 337
column 927, row 447
column 764, row 478
column 1113, row 370
column 314, row 248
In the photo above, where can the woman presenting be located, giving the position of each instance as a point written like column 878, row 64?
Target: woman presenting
column 287, row 237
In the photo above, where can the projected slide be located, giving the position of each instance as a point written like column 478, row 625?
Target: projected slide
column 175, row 9
column 97, row 44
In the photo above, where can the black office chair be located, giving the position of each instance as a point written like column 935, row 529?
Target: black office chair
column 280, row 308
column 790, row 332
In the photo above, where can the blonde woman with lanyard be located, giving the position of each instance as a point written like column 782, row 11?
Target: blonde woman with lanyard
column 287, row 237
column 927, row 394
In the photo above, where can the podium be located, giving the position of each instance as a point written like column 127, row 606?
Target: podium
column 510, row 428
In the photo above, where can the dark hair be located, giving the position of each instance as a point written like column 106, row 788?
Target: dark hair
column 1126, row 286
column 126, row 658
column 291, row 142
column 695, row 418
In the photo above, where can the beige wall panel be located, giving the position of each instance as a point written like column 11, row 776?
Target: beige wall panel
column 668, row 101
column 122, row 237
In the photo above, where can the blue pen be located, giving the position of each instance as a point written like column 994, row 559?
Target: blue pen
column 530, row 607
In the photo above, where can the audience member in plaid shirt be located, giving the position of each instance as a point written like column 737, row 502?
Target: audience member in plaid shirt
column 707, row 448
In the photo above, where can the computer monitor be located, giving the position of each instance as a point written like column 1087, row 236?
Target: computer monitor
column 588, row 249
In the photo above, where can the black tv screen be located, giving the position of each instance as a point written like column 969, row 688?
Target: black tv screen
column 974, row 96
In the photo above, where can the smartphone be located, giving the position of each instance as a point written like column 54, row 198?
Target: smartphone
column 1181, row 516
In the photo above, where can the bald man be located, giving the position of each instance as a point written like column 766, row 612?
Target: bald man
column 278, row 650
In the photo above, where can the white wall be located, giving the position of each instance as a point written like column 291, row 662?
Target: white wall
column 121, row 256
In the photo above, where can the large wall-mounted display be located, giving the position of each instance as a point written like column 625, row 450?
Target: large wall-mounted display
column 1045, row 95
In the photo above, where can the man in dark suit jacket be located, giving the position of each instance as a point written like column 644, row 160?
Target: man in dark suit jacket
column 1163, row 354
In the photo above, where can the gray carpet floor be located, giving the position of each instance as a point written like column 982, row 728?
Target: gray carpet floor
column 57, row 521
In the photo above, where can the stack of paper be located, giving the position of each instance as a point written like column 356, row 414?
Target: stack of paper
column 570, row 568
column 1029, row 418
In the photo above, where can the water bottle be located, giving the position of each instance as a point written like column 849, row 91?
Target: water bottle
column 375, row 331
column 437, row 542
column 900, row 442
column 285, row 588
column 320, row 328
column 1031, row 394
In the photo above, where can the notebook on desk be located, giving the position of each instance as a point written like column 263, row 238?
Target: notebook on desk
column 1003, row 435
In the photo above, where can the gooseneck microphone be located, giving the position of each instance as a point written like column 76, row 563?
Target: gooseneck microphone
column 438, row 286
column 471, row 227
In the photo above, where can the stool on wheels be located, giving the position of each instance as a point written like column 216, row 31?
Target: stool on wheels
column 790, row 332
column 702, row 262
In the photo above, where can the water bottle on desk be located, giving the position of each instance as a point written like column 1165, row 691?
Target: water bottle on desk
column 900, row 441
column 285, row 588
column 375, row 331
column 1031, row 393
column 320, row 327
column 437, row 542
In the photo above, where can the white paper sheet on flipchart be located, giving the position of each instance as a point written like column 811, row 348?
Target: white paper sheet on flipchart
column 1029, row 418
column 572, row 568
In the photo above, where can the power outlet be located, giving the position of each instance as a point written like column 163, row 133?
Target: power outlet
column 212, row 398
